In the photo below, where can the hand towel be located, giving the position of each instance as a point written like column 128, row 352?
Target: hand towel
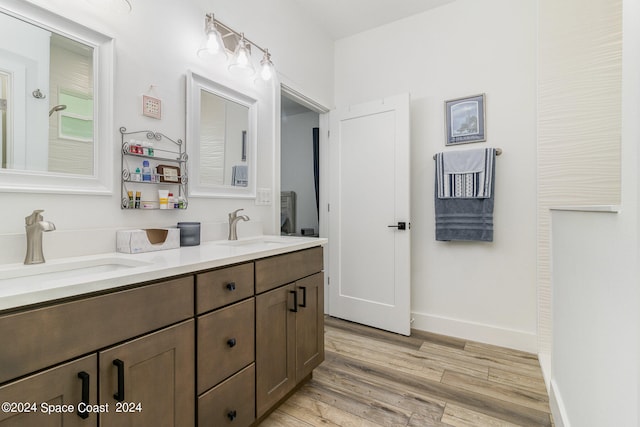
column 465, row 174
column 239, row 176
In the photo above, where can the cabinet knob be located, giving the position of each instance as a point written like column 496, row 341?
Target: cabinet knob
column 231, row 286
column 231, row 342
column 232, row 415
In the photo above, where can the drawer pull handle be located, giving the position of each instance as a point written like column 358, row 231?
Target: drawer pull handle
column 232, row 415
column 231, row 286
column 295, row 301
column 119, row 396
column 231, row 343
column 85, row 393
column 304, row 296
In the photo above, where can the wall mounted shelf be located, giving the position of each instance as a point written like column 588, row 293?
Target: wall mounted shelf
column 157, row 149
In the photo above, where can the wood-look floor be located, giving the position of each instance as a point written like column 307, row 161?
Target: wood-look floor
column 375, row 378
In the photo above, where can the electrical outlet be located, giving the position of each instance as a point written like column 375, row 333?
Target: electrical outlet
column 151, row 107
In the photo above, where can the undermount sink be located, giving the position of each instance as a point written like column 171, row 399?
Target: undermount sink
column 54, row 270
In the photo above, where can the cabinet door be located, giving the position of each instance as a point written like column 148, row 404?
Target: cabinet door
column 275, row 347
column 309, row 325
column 150, row 380
column 59, row 386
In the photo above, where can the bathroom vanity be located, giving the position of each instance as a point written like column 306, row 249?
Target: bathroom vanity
column 218, row 335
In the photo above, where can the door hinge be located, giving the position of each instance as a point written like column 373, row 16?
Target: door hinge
column 328, row 281
column 328, row 207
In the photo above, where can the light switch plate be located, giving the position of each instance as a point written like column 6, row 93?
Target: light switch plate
column 263, row 196
column 151, row 107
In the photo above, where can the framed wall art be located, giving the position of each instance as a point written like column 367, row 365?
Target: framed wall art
column 465, row 120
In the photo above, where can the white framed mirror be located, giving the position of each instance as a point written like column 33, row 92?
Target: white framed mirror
column 221, row 140
column 56, row 103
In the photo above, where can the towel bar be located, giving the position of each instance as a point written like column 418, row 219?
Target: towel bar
column 498, row 152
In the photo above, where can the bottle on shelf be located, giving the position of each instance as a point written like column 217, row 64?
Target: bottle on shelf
column 146, row 171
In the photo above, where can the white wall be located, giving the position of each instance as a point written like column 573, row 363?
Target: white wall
column 481, row 291
column 297, row 166
column 594, row 367
column 595, row 371
column 579, row 115
column 155, row 45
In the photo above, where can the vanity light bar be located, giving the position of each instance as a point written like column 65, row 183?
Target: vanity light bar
column 241, row 45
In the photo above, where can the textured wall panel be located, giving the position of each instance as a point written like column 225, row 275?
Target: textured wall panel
column 579, row 120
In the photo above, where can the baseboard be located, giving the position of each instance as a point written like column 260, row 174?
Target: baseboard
column 488, row 334
column 545, row 365
column 558, row 410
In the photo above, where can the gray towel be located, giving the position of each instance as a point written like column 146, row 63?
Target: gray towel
column 239, row 176
column 465, row 218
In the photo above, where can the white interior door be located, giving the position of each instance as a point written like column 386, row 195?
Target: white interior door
column 369, row 190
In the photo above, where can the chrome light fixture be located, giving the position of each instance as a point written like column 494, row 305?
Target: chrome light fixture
column 212, row 45
column 218, row 34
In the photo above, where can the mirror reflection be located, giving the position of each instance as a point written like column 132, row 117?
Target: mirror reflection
column 223, row 141
column 46, row 100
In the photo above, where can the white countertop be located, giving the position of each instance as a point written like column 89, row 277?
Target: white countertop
column 22, row 285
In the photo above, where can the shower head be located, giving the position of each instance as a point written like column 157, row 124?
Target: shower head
column 57, row 108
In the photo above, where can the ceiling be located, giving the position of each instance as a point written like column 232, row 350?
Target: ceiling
column 343, row 18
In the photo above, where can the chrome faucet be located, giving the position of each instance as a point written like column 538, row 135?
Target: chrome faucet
column 233, row 222
column 35, row 225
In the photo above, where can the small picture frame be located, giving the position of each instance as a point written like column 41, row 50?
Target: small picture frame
column 465, row 120
column 151, row 107
column 169, row 173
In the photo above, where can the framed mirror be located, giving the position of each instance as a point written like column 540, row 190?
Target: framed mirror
column 56, row 90
column 221, row 140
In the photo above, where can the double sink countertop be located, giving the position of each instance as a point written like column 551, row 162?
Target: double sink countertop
column 22, row 285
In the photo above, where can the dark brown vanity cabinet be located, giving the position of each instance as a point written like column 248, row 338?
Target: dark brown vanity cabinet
column 212, row 348
column 289, row 324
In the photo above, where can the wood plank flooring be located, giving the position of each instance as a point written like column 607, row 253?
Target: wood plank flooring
column 375, row 378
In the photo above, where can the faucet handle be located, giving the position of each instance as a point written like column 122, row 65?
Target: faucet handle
column 235, row 213
column 35, row 216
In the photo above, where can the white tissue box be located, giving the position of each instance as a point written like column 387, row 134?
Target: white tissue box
column 148, row 240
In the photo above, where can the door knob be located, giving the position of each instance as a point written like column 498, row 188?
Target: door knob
column 401, row 226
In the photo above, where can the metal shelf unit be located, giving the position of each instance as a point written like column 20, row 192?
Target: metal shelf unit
column 167, row 150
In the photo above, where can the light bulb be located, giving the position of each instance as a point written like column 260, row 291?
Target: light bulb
column 266, row 67
column 241, row 62
column 212, row 45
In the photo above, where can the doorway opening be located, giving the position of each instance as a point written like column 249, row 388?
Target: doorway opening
column 299, row 167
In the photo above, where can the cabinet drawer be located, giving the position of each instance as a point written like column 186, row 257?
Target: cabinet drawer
column 42, row 337
column 231, row 403
column 226, row 343
column 282, row 269
column 222, row 287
